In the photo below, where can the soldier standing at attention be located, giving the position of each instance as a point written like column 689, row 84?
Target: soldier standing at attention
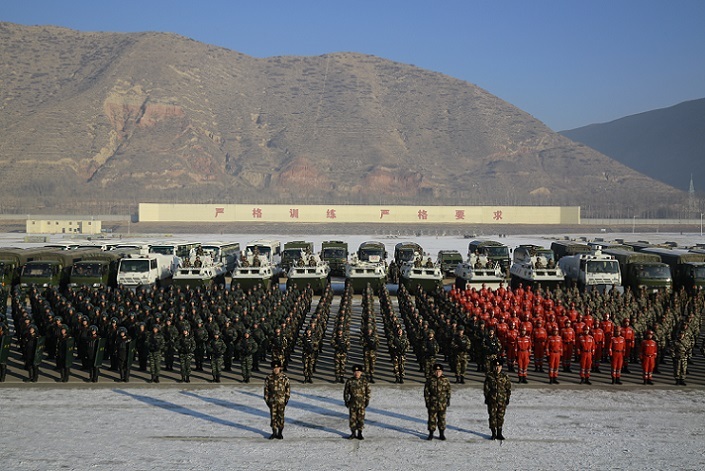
column 277, row 391
column 357, row 397
column 437, row 396
column 497, row 389
column 341, row 345
column 217, row 348
column 649, row 350
column 680, row 351
column 187, row 345
column 155, row 344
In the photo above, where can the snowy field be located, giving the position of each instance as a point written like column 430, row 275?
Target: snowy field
column 142, row 427
column 139, row 428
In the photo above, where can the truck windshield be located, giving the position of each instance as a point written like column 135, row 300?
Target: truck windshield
column 263, row 249
column 406, row 255
column 602, row 266
column 699, row 273
column 366, row 254
column 655, row 272
column 547, row 254
column 38, row 270
column 87, row 269
column 134, row 266
column 162, row 249
column 497, row 251
column 334, row 252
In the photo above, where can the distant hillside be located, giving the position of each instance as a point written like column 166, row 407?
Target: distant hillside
column 667, row 144
column 101, row 121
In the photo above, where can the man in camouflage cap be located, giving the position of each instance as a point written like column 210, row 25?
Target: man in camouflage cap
column 437, row 396
column 357, row 397
column 277, row 391
column 497, row 389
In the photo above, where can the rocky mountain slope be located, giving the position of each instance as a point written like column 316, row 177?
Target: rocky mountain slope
column 102, row 121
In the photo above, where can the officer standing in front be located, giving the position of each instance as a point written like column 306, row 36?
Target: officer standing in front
column 277, row 391
column 437, row 396
column 497, row 389
column 357, row 397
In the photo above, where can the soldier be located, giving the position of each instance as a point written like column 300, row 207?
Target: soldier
column 309, row 347
column 430, row 349
column 32, row 354
column 437, row 396
column 142, row 347
column 497, row 389
column 491, row 349
column 649, row 351
column 247, row 349
column 5, row 341
column 155, row 344
column 123, row 352
column 399, row 347
column 200, row 335
column 568, row 335
column 370, row 344
column 277, row 391
column 680, row 352
column 171, row 336
column 93, row 353
column 461, row 348
column 187, row 345
column 341, row 345
column 217, row 349
column 356, row 395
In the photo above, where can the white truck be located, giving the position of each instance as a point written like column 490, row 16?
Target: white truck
column 591, row 271
column 146, row 269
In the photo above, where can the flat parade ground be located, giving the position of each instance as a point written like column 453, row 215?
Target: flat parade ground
column 139, row 426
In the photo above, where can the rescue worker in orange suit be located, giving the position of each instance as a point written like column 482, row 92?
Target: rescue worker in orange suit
column 568, row 336
column 616, row 351
column 607, row 327
column 555, row 353
column 599, row 335
column 629, row 344
column 586, row 349
column 649, row 351
column 510, row 345
column 539, row 337
column 523, row 354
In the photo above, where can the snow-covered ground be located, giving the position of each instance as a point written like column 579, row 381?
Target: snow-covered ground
column 225, row 427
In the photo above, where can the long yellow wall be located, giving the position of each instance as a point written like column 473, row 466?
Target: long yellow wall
column 156, row 212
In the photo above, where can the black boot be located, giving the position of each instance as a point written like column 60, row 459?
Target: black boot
column 494, row 434
column 352, row 435
column 441, row 434
column 359, row 435
column 430, row 436
column 617, row 381
column 462, row 380
column 274, row 434
column 499, row 434
column 555, row 381
column 279, row 435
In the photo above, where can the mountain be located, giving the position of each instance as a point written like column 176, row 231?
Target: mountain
column 102, row 121
column 667, row 144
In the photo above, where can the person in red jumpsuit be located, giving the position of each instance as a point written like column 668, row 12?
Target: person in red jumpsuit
column 523, row 354
column 568, row 335
column 539, row 337
column 616, row 350
column 555, row 354
column 629, row 344
column 607, row 327
column 510, row 345
column 599, row 335
column 586, row 350
column 649, row 351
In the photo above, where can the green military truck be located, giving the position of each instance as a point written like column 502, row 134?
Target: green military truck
column 687, row 268
column 449, row 260
column 11, row 262
column 561, row 248
column 97, row 268
column 51, row 268
column 641, row 270
column 335, row 252
column 495, row 252
column 292, row 253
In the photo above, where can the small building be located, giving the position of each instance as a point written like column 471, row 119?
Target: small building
column 63, row 226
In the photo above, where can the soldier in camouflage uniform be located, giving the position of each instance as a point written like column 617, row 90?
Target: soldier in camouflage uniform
column 357, row 397
column 370, row 344
column 187, row 345
column 437, row 396
column 680, row 351
column 247, row 349
column 277, row 391
column 430, row 350
column 341, row 345
column 309, row 347
column 399, row 347
column 217, row 348
column 171, row 337
column 461, row 347
column 497, row 389
column 155, row 343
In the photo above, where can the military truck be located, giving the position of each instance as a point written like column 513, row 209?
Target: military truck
column 11, row 262
column 535, row 266
column 687, row 267
column 593, row 271
column 561, row 248
column 403, row 252
column 146, row 269
column 449, row 261
column 335, row 252
column 98, row 268
column 642, row 270
column 372, row 251
column 293, row 252
column 51, row 268
column 495, row 252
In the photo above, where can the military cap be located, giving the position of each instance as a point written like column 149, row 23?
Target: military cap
column 357, row 368
column 437, row 367
column 276, row 364
column 498, row 362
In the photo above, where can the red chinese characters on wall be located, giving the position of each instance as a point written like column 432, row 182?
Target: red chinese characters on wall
column 294, row 213
column 459, row 214
column 383, row 212
column 330, row 214
column 422, row 214
column 497, row 216
column 219, row 211
column 257, row 213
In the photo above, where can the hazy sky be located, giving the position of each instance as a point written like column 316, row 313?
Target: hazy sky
column 568, row 63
